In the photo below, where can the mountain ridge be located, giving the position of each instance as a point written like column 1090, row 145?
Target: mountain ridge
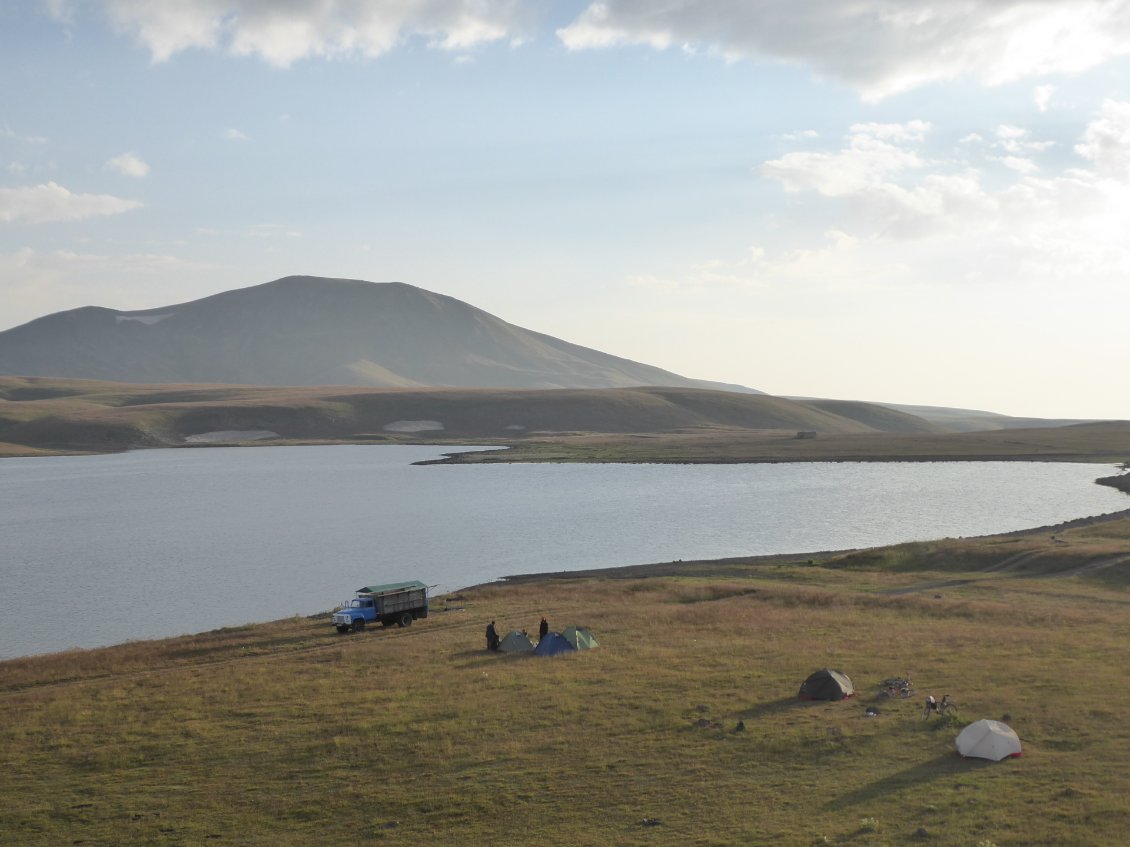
column 304, row 330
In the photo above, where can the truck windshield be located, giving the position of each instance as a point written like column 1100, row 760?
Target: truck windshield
column 355, row 604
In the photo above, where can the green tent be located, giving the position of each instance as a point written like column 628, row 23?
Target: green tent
column 581, row 638
column 516, row 642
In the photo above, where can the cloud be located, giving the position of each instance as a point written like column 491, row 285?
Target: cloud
column 1019, row 164
column 896, row 217
column 8, row 132
column 283, row 33
column 1014, row 139
column 866, row 161
column 801, row 135
column 1042, row 96
column 128, row 164
column 879, row 47
column 233, row 134
column 1106, row 141
column 51, row 202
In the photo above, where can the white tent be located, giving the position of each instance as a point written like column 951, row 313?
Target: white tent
column 988, row 740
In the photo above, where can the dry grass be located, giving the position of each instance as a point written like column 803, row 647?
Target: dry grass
column 610, row 425
column 290, row 734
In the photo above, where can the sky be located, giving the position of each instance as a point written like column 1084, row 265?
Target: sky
column 905, row 201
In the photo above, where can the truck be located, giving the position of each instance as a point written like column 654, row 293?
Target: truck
column 397, row 603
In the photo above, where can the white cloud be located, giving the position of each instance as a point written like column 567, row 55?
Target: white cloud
column 51, row 202
column 272, row 232
column 128, row 164
column 1014, row 139
column 1107, row 141
column 880, row 47
column 8, row 132
column 233, row 134
column 1019, row 164
column 283, row 33
column 1042, row 96
column 866, row 161
column 904, row 219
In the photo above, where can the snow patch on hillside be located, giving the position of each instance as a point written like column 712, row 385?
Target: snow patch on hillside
column 148, row 320
column 226, row 435
column 413, row 426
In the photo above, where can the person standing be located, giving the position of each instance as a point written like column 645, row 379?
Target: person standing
column 543, row 628
column 492, row 637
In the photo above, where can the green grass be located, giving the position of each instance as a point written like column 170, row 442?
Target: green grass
column 287, row 733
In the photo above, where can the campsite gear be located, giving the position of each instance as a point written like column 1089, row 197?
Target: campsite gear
column 827, row 684
column 554, row 644
column 987, row 739
column 516, row 642
column 896, row 687
column 580, row 638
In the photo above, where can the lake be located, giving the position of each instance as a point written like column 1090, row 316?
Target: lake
column 98, row 550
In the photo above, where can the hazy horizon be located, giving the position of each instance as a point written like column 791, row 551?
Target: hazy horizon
column 903, row 202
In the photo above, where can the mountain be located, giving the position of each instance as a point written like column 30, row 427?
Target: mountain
column 303, row 330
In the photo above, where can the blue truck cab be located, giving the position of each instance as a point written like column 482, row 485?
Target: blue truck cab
column 397, row 603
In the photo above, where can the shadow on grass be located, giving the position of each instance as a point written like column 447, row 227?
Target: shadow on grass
column 481, row 657
column 946, row 765
column 774, row 707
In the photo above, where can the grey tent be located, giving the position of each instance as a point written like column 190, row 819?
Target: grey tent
column 516, row 642
column 827, row 684
column 986, row 739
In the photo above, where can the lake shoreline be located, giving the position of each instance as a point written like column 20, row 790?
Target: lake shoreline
column 681, row 567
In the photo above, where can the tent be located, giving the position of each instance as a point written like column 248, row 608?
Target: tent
column 827, row 685
column 988, row 740
column 516, row 642
column 554, row 644
column 580, row 638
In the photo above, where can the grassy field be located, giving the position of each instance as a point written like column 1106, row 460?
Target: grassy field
column 1109, row 442
column 288, row 734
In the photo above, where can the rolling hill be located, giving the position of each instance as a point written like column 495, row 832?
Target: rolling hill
column 303, row 330
column 83, row 415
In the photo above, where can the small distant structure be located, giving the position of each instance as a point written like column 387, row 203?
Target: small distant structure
column 806, row 433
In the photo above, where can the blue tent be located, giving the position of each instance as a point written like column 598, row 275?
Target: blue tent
column 553, row 644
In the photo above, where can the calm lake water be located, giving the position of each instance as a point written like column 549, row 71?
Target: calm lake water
column 103, row 549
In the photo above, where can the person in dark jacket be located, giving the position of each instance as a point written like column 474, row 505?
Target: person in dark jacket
column 543, row 628
column 492, row 637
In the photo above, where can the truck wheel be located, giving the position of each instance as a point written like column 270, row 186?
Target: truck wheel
column 359, row 625
column 405, row 619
